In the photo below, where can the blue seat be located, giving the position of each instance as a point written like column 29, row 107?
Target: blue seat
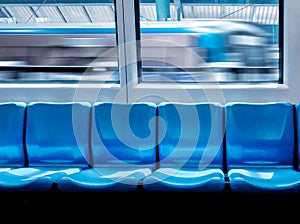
column 56, row 145
column 297, row 107
column 12, row 119
column 123, row 149
column 190, row 149
column 260, row 147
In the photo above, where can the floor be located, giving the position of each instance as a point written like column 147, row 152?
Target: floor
column 53, row 207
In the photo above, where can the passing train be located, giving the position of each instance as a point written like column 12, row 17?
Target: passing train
column 183, row 45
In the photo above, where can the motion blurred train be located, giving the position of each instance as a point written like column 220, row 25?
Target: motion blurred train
column 184, row 44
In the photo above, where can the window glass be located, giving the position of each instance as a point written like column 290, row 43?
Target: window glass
column 210, row 41
column 58, row 40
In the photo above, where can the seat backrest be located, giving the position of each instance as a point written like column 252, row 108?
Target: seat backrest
column 12, row 119
column 57, row 134
column 190, row 135
column 124, row 134
column 259, row 134
column 297, row 107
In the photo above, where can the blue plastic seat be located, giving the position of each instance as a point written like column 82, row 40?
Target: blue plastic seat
column 12, row 119
column 190, row 149
column 12, row 155
column 297, row 107
column 123, row 149
column 56, row 145
column 260, row 147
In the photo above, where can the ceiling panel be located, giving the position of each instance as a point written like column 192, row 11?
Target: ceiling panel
column 22, row 14
column 74, row 14
column 95, row 13
column 103, row 13
column 49, row 14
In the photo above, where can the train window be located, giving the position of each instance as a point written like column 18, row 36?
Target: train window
column 58, row 41
column 224, row 41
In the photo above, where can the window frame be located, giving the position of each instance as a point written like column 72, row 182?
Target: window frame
column 75, row 91
column 130, row 90
column 219, row 92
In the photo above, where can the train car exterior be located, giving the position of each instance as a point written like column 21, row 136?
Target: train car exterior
column 192, row 45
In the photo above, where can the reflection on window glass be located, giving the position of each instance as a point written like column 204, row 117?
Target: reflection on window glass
column 58, row 40
column 210, row 40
